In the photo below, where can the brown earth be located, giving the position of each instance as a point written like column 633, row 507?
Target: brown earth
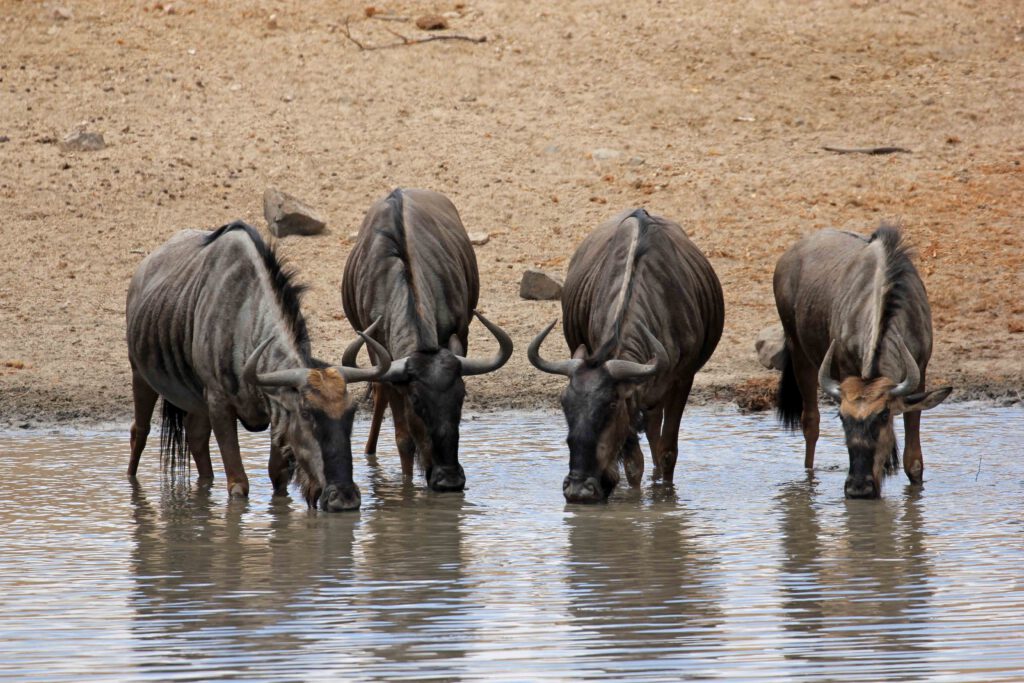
column 718, row 110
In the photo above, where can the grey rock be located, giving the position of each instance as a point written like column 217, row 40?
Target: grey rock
column 604, row 154
column 287, row 215
column 82, row 141
column 771, row 347
column 479, row 238
column 539, row 286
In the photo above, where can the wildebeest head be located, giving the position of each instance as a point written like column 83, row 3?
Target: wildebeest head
column 600, row 410
column 432, row 387
column 311, row 418
column 867, row 408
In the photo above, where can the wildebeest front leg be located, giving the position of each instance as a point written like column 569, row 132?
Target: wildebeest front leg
column 144, row 399
column 225, row 429
column 197, row 433
column 279, row 469
column 633, row 460
column 380, row 401
column 653, row 430
column 669, row 442
column 913, row 459
column 807, row 382
column 403, row 435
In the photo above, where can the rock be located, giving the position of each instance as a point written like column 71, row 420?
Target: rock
column 61, row 13
column 432, row 22
column 479, row 238
column 287, row 215
column 771, row 346
column 82, row 141
column 604, row 154
column 539, row 286
column 5, row 138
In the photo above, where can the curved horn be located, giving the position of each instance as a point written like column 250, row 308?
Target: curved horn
column 912, row 374
column 825, row 380
column 352, row 374
column 394, row 370
column 294, row 377
column 628, row 371
column 472, row 366
column 564, row 367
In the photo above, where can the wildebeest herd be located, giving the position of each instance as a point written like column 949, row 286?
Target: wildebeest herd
column 215, row 329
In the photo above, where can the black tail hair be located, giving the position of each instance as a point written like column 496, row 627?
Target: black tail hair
column 174, row 451
column 789, row 404
column 892, row 465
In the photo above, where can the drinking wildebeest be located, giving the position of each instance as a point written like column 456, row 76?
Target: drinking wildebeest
column 856, row 321
column 215, row 328
column 637, row 289
column 413, row 267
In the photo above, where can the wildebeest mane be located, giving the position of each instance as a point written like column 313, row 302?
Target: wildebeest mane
column 899, row 274
column 282, row 280
column 644, row 223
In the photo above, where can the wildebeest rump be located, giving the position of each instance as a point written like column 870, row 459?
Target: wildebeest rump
column 637, row 289
column 856, row 320
column 215, row 328
column 413, row 267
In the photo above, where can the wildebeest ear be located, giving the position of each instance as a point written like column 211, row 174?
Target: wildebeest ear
column 581, row 352
column 924, row 400
column 455, row 346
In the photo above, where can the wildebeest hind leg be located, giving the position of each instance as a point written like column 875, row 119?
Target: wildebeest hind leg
column 653, row 430
column 197, row 433
column 225, row 428
column 380, row 400
column 403, row 435
column 913, row 459
column 144, row 399
column 807, row 381
column 669, row 442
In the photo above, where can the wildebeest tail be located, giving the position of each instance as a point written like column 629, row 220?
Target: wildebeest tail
column 174, row 453
column 892, row 465
column 789, row 404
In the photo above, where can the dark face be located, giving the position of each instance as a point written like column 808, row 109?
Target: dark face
column 435, row 392
column 597, row 415
column 334, row 435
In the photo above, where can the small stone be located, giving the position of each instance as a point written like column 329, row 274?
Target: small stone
column 61, row 13
column 552, row 149
column 771, row 347
column 82, row 141
column 5, row 138
column 353, row 236
column 539, row 286
column 479, row 238
column 432, row 22
column 287, row 215
column 272, row 22
column 605, row 154
column 637, row 161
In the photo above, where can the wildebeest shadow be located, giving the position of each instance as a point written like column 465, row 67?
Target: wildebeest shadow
column 856, row 587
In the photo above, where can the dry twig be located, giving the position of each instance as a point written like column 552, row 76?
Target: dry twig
column 867, row 150
column 408, row 41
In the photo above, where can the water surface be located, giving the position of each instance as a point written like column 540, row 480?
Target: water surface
column 747, row 569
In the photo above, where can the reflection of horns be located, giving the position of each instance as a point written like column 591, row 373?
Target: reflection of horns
column 628, row 371
column 353, row 373
column 472, row 366
column 564, row 367
column 294, row 377
column 825, row 380
column 911, row 373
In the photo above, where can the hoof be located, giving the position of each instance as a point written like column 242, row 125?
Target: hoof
column 238, row 490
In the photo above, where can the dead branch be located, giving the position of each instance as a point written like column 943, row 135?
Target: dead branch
column 407, row 41
column 867, row 150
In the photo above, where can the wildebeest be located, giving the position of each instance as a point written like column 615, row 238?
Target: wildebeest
column 856, row 321
column 413, row 267
column 215, row 328
column 637, row 289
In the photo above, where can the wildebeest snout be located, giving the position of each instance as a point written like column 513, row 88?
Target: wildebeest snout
column 580, row 489
column 340, row 497
column 861, row 487
column 447, row 478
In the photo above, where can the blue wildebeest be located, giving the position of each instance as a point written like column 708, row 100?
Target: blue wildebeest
column 637, row 289
column 413, row 267
column 856, row 320
column 215, row 328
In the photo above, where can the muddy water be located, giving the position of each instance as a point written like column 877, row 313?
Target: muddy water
column 747, row 569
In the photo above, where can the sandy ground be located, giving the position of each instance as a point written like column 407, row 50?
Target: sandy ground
column 715, row 114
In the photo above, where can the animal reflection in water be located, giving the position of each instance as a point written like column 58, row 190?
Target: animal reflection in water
column 866, row 579
column 209, row 588
column 640, row 581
